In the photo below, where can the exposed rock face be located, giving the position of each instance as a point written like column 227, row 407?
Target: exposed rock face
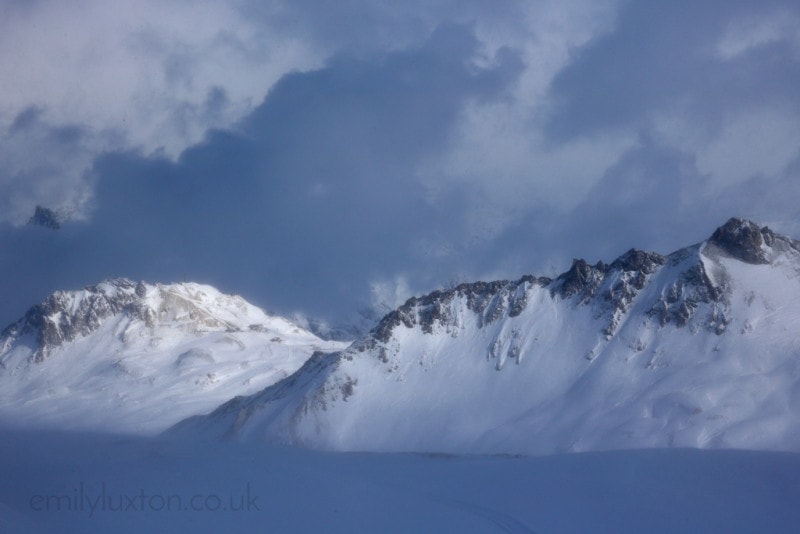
column 489, row 300
column 62, row 318
column 744, row 240
column 638, row 261
column 581, row 279
column 609, row 289
column 684, row 295
column 68, row 315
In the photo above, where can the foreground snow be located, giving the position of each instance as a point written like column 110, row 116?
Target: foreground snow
column 50, row 482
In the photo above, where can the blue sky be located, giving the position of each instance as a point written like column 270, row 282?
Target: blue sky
column 321, row 160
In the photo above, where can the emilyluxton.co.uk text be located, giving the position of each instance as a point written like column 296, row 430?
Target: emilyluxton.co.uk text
column 83, row 501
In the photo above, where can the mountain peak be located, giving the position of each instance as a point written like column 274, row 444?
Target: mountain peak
column 638, row 260
column 65, row 316
column 45, row 217
column 744, row 240
column 137, row 357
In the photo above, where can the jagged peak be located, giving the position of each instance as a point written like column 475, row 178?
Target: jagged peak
column 744, row 240
column 46, row 218
column 581, row 278
column 638, row 260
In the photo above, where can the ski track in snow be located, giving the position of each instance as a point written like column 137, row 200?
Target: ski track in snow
column 504, row 522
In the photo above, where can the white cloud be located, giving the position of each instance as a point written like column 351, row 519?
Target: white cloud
column 129, row 64
column 144, row 74
column 388, row 294
column 742, row 35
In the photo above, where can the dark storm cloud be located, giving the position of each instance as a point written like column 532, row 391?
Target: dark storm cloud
column 298, row 207
column 25, row 119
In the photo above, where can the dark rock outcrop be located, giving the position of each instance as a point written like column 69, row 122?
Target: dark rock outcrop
column 45, row 217
column 743, row 240
column 581, row 279
column 61, row 318
column 692, row 288
column 489, row 300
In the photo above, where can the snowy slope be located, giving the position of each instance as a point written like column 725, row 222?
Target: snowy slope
column 699, row 348
column 134, row 357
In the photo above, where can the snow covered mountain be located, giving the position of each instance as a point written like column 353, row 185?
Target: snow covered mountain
column 135, row 357
column 699, row 348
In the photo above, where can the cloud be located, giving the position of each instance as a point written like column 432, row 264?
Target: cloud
column 127, row 65
column 666, row 59
column 155, row 75
column 683, row 115
column 320, row 158
column 308, row 198
column 42, row 163
column 650, row 134
column 146, row 74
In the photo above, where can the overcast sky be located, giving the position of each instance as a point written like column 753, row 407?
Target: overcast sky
column 321, row 159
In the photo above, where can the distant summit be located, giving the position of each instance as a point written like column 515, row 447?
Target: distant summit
column 45, row 217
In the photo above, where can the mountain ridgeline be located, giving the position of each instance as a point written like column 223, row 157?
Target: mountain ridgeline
column 607, row 286
column 695, row 348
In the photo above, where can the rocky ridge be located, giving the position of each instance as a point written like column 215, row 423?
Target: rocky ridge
column 65, row 316
column 642, row 307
